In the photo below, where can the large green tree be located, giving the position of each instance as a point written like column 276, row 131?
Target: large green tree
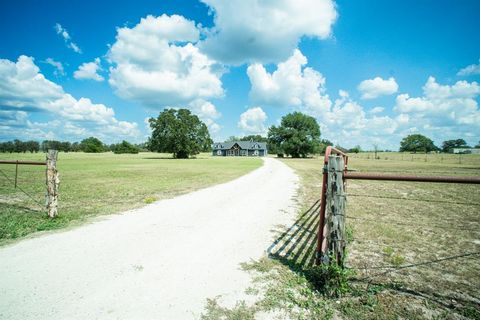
column 92, row 145
column 417, row 143
column 298, row 135
column 448, row 145
column 179, row 132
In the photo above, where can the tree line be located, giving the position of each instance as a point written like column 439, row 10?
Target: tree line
column 89, row 145
column 183, row 134
column 420, row 143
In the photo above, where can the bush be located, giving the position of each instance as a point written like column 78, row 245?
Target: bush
column 124, row 147
column 92, row 145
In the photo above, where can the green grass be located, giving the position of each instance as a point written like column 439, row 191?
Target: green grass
column 96, row 184
column 395, row 224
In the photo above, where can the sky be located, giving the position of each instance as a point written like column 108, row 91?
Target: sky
column 370, row 72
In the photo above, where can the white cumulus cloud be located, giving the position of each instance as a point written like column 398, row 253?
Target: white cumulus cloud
column 248, row 31
column 208, row 113
column 377, row 110
column 24, row 88
column 373, row 88
column 444, row 111
column 253, row 121
column 469, row 70
column 157, row 63
column 89, row 70
column 291, row 84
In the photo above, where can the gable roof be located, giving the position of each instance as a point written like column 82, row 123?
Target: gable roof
column 242, row 144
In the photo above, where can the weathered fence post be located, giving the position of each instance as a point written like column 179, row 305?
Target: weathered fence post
column 335, row 205
column 52, row 183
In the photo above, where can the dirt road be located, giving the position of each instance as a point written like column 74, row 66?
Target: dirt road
column 158, row 262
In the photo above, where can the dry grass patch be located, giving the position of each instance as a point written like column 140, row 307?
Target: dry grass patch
column 396, row 225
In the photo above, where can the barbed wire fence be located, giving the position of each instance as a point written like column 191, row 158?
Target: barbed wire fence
column 391, row 246
column 21, row 185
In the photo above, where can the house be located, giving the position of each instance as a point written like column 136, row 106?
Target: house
column 240, row 148
column 466, row 150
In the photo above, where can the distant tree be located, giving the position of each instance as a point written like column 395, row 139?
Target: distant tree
column 32, row 146
column 298, row 135
column 322, row 146
column 274, row 141
column 142, row 147
column 355, row 149
column 75, row 147
column 232, row 138
column 478, row 145
column 7, row 147
column 254, row 137
column 375, row 149
column 417, row 143
column 51, row 144
column 179, row 132
column 449, row 145
column 20, row 146
column 124, row 147
column 65, row 146
column 92, row 145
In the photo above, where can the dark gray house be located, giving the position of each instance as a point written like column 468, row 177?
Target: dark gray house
column 240, row 148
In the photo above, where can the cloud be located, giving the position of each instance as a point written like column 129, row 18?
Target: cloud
column 89, row 70
column 66, row 37
column 254, row 31
column 22, row 87
column 208, row 113
column 470, row 70
column 443, row 104
column 376, row 110
column 291, row 84
column 373, row 88
column 253, row 121
column 157, row 63
column 444, row 111
column 59, row 70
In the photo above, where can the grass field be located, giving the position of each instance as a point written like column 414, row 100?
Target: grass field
column 399, row 224
column 96, row 184
column 393, row 226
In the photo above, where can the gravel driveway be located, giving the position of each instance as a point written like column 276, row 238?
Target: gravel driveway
column 158, row 262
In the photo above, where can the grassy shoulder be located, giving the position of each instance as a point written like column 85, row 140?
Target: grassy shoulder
column 96, row 184
column 395, row 225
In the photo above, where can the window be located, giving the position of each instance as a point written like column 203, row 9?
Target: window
column 219, row 152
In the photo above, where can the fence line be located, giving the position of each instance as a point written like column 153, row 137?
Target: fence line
column 26, row 193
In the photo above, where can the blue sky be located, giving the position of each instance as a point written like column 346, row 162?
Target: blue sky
column 370, row 72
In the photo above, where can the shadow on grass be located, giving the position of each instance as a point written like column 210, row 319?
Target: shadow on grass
column 295, row 247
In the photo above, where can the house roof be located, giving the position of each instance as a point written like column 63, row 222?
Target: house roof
column 242, row 144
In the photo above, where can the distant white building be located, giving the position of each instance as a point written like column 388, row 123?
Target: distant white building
column 466, row 150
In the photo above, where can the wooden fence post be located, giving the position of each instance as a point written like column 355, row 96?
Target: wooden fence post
column 335, row 205
column 52, row 183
